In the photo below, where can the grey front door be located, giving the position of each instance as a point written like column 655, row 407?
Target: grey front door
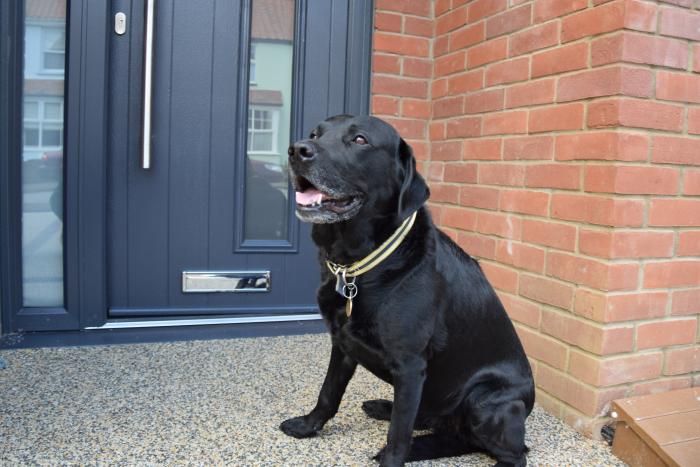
column 232, row 83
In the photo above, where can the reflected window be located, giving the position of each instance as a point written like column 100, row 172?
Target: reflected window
column 262, row 130
column 42, row 153
column 53, row 50
column 269, row 120
column 43, row 123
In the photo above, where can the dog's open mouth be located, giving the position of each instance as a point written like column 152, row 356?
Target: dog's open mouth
column 321, row 205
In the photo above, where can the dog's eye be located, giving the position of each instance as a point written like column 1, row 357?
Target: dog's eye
column 359, row 139
column 313, row 135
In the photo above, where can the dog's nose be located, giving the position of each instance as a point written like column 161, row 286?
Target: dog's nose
column 302, row 150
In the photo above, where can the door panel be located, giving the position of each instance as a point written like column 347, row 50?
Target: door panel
column 187, row 212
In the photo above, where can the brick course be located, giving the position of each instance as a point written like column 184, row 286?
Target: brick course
column 561, row 141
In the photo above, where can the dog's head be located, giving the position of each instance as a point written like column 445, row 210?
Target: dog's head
column 350, row 165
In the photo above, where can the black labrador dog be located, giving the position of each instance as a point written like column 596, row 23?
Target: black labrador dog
column 425, row 319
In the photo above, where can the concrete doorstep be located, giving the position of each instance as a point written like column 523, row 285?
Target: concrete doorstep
column 211, row 403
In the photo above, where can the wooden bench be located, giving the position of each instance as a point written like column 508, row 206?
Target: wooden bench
column 659, row 429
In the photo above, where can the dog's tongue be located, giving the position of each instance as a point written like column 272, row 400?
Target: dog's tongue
column 308, row 197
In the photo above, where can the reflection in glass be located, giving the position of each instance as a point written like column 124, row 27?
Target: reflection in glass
column 269, row 112
column 42, row 152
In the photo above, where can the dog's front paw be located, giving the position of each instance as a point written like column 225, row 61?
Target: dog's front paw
column 386, row 460
column 378, row 456
column 299, row 427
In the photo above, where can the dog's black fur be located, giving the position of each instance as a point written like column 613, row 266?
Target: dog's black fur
column 425, row 320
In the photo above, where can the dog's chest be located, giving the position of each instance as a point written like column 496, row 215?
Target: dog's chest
column 362, row 345
column 357, row 334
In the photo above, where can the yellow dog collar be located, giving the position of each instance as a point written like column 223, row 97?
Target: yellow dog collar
column 348, row 289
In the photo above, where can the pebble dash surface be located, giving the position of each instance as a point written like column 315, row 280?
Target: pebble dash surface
column 216, row 402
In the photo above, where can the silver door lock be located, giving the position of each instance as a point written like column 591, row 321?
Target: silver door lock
column 120, row 23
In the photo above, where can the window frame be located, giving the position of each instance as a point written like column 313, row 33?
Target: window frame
column 253, row 68
column 17, row 317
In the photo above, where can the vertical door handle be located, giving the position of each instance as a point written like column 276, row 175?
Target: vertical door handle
column 147, row 86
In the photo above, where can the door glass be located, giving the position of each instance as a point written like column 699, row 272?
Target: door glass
column 269, row 112
column 42, row 152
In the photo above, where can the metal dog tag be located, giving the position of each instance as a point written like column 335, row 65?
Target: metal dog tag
column 339, row 284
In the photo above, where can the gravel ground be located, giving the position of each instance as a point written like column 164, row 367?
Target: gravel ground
column 210, row 403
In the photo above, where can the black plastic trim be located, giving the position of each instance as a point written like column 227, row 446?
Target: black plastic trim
column 164, row 334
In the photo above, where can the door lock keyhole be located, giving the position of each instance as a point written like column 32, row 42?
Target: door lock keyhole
column 120, row 23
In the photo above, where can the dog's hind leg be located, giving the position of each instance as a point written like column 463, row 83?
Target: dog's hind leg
column 436, row 446
column 502, row 432
column 380, row 409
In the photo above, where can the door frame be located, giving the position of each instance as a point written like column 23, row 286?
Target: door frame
column 89, row 27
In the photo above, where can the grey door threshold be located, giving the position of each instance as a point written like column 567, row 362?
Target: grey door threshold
column 121, row 324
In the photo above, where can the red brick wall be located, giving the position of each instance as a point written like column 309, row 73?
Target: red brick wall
column 402, row 69
column 561, row 139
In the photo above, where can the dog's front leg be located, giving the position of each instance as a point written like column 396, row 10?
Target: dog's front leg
column 408, row 379
column 340, row 371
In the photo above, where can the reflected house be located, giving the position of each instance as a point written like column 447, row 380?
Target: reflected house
column 270, row 76
column 44, row 70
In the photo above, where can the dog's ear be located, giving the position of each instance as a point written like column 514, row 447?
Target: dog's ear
column 414, row 191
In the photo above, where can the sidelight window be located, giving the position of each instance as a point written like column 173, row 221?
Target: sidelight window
column 267, row 207
column 42, row 152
